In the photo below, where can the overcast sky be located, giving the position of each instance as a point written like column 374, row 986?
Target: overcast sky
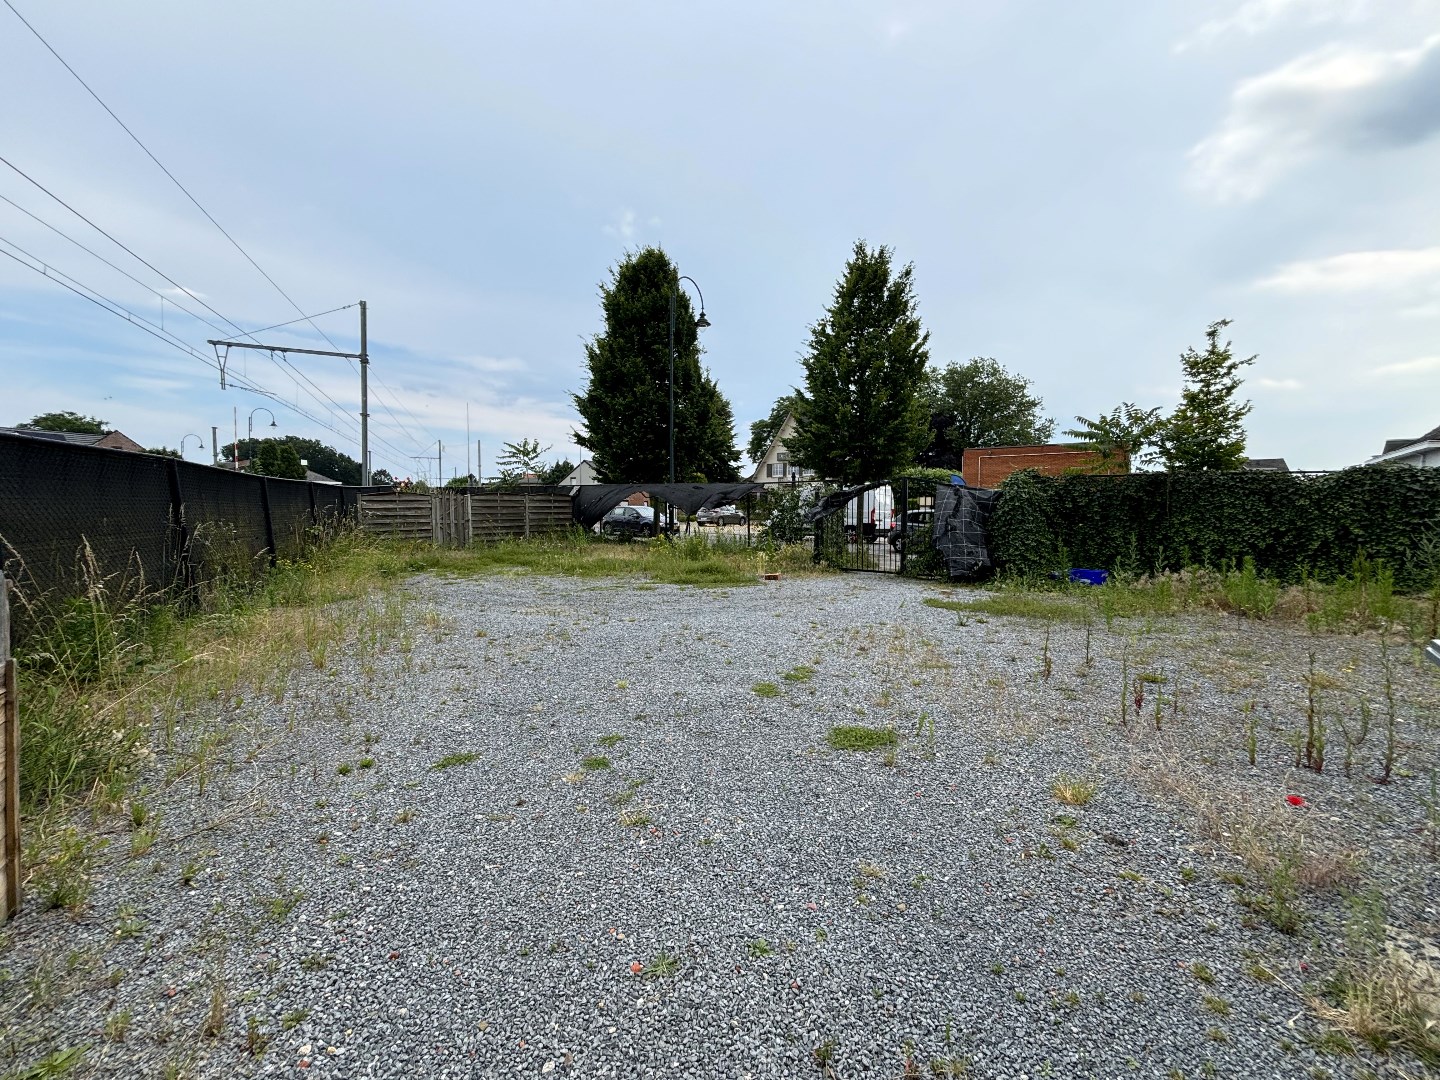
column 1081, row 187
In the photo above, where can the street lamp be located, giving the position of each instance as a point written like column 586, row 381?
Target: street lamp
column 250, row 429
column 196, row 438
column 700, row 324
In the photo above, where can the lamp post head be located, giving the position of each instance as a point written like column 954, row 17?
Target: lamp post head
column 274, row 424
column 702, row 321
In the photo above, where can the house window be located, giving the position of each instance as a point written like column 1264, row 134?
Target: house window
column 782, row 455
column 773, row 470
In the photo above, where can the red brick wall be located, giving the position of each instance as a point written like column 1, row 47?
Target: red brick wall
column 987, row 468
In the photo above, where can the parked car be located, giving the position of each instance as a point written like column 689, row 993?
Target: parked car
column 917, row 524
column 719, row 515
column 629, row 521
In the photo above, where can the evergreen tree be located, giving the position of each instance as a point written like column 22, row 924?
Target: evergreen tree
column 555, row 473
column 626, row 403
column 1205, row 430
column 979, row 403
column 861, row 416
column 275, row 457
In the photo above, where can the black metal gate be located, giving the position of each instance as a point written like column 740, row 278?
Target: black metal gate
column 876, row 529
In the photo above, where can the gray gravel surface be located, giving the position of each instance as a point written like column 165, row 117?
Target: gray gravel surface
column 778, row 895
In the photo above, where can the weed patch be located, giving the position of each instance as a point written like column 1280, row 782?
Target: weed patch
column 461, row 757
column 858, row 737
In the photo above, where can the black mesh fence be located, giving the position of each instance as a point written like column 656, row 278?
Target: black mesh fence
column 77, row 517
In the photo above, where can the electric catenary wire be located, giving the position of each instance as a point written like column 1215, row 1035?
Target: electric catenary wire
column 320, row 396
column 167, row 172
column 141, row 322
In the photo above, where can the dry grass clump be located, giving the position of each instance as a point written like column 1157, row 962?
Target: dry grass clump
column 1380, row 1004
column 1074, row 790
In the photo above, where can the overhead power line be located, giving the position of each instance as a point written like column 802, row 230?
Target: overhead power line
column 292, row 322
column 119, row 310
column 186, row 191
column 316, row 392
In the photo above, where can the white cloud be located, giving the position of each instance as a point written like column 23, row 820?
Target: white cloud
column 623, row 226
column 1418, row 366
column 1256, row 16
column 492, row 364
column 1336, row 98
column 1267, row 383
column 1358, row 271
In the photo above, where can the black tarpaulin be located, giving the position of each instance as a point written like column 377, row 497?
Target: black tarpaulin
column 836, row 500
column 594, row 501
column 962, row 529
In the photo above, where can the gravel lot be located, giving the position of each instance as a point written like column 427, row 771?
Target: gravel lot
column 776, row 895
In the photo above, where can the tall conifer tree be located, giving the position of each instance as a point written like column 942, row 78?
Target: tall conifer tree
column 1206, row 430
column 626, row 404
column 861, row 415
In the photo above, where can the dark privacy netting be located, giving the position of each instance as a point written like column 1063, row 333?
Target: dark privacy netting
column 962, row 529
column 72, row 516
column 594, row 501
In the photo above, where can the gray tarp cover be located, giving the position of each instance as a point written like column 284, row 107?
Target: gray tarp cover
column 962, row 529
column 594, row 501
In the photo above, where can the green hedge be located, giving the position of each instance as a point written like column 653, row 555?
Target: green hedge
column 1291, row 524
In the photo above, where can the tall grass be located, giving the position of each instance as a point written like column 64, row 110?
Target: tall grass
column 98, row 670
column 1363, row 600
column 692, row 560
column 101, row 671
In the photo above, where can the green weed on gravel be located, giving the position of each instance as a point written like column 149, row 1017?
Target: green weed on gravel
column 859, row 737
column 461, row 757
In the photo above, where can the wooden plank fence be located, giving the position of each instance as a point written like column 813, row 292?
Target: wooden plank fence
column 9, row 766
column 455, row 518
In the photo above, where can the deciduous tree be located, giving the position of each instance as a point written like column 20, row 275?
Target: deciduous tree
column 325, row 460
column 275, row 457
column 1120, row 436
column 979, row 403
column 517, row 459
column 71, row 422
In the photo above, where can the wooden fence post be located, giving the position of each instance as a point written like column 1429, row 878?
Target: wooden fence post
column 269, row 521
column 9, row 765
column 184, row 567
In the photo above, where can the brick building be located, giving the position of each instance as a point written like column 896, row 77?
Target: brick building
column 987, row 467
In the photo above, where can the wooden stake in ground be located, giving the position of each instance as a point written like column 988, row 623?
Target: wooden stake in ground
column 9, row 766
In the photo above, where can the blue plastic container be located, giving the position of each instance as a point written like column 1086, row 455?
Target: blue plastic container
column 1089, row 577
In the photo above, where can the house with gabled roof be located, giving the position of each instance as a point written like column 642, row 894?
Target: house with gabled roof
column 110, row 440
column 775, row 466
column 1423, row 451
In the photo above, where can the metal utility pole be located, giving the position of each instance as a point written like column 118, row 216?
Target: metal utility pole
column 363, row 356
column 364, row 402
column 439, row 460
column 215, row 443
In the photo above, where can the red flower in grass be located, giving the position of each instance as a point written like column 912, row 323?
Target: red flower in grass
column 1295, row 800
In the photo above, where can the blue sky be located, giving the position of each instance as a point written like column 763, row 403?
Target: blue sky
column 1081, row 187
